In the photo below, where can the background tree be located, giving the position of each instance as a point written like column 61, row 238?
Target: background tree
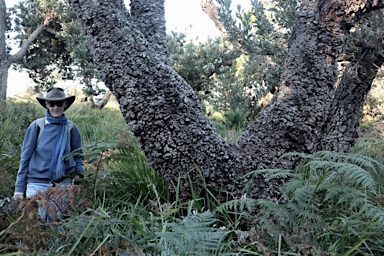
column 56, row 52
column 60, row 53
column 218, row 73
column 164, row 113
column 261, row 33
column 200, row 63
column 7, row 59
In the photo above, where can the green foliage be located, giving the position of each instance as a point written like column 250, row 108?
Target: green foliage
column 60, row 51
column 218, row 73
column 332, row 203
column 201, row 64
column 230, row 124
column 190, row 235
column 237, row 71
column 129, row 177
column 95, row 229
column 14, row 121
column 98, row 125
column 236, row 118
column 48, row 53
column 261, row 36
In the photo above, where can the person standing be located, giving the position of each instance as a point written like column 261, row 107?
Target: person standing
column 47, row 143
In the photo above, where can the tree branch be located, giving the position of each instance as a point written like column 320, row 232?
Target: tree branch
column 210, row 9
column 149, row 17
column 27, row 43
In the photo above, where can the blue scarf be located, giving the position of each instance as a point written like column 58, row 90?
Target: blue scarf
column 57, row 167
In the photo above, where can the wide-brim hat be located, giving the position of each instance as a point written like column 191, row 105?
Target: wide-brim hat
column 56, row 94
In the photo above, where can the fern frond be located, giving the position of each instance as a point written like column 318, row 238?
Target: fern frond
column 374, row 214
column 191, row 235
column 272, row 209
column 351, row 175
column 291, row 186
column 237, row 205
column 358, row 159
column 270, row 174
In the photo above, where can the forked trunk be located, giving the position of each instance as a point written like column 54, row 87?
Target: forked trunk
column 165, row 116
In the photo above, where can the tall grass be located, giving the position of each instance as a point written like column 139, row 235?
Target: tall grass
column 14, row 121
column 333, row 203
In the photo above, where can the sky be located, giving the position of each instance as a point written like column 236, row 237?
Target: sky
column 187, row 16
column 181, row 15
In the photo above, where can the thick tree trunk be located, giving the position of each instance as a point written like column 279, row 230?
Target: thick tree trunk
column 347, row 106
column 164, row 114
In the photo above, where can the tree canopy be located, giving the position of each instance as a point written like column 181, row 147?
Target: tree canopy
column 51, row 46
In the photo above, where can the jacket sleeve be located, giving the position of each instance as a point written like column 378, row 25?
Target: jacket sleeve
column 29, row 145
column 76, row 144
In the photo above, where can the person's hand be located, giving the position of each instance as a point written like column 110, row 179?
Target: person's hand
column 18, row 197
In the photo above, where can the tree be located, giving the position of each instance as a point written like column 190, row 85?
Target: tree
column 262, row 33
column 56, row 50
column 219, row 74
column 200, row 64
column 129, row 49
column 362, row 57
column 7, row 59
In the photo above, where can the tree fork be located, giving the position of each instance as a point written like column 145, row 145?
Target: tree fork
column 166, row 118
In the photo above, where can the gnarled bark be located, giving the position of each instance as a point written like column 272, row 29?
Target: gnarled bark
column 347, row 106
column 165, row 116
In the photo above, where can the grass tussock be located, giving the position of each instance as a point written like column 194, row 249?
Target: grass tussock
column 332, row 203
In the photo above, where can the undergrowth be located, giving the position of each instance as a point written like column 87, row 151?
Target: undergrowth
column 333, row 202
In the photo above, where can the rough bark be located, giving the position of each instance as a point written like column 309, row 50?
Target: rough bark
column 165, row 116
column 153, row 29
column 347, row 106
column 347, row 101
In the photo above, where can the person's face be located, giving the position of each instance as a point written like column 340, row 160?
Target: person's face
column 56, row 108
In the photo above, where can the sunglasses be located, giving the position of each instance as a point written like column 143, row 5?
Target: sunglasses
column 58, row 103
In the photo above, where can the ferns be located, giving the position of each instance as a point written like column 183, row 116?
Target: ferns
column 333, row 203
column 331, row 195
column 191, row 235
column 237, row 206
